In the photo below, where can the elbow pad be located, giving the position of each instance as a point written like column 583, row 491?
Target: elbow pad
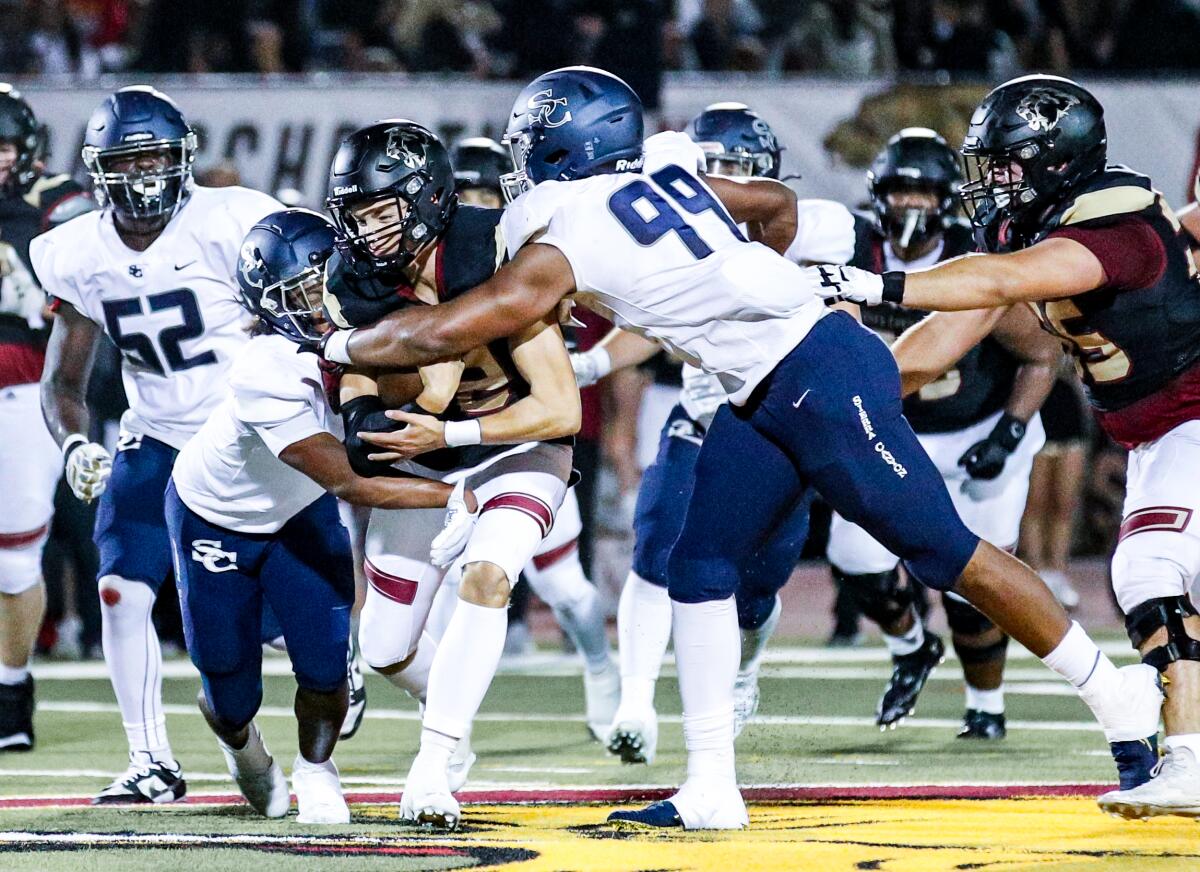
column 366, row 414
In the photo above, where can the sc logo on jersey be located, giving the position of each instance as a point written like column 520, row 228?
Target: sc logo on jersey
column 542, row 107
column 209, row 554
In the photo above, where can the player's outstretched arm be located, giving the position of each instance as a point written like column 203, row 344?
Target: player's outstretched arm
column 768, row 207
column 618, row 350
column 72, row 347
column 935, row 344
column 520, row 294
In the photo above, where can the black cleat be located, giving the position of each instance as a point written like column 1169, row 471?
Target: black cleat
column 1135, row 761
column 909, row 674
column 659, row 815
column 152, row 782
column 16, row 716
column 982, row 725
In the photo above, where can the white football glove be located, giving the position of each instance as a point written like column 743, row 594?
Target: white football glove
column 88, row 467
column 456, row 530
column 701, row 396
column 590, row 366
column 845, row 284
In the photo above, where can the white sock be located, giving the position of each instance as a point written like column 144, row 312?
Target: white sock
column 254, row 756
column 754, row 642
column 898, row 646
column 463, row 667
column 443, row 603
column 1079, row 661
column 437, row 747
column 413, row 679
column 13, row 674
column 990, row 701
column 707, row 645
column 576, row 604
column 643, row 631
column 134, row 660
column 1191, row 741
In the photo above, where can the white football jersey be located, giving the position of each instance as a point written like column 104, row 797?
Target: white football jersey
column 172, row 309
column 230, row 473
column 658, row 253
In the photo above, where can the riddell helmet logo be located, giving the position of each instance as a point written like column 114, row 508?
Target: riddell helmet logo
column 1043, row 108
column 406, row 148
column 544, row 105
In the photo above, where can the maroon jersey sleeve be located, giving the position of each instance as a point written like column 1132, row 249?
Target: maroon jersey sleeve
column 1131, row 253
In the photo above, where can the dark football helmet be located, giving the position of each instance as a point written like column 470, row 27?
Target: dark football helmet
column 479, row 162
column 134, row 122
column 281, row 271
column 397, row 161
column 570, row 124
column 915, row 159
column 736, row 141
column 19, row 127
column 1031, row 142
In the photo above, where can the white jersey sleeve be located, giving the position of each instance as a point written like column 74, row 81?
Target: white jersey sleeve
column 824, row 233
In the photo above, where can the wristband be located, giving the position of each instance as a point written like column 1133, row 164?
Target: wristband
column 336, row 346
column 893, row 287
column 601, row 360
column 1009, row 431
column 72, row 442
column 459, row 433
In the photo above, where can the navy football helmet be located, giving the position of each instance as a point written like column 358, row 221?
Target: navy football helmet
column 736, row 141
column 570, row 124
column 281, row 270
column 916, row 159
column 401, row 162
column 479, row 162
column 132, row 123
column 19, row 127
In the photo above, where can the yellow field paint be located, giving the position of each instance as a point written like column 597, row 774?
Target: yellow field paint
column 891, row 835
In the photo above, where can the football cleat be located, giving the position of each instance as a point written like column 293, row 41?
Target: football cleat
column 1174, row 789
column 700, row 804
column 634, row 736
column 461, row 761
column 16, row 716
column 982, row 725
column 745, row 700
column 358, row 694
column 263, row 786
column 152, row 782
column 909, row 674
column 602, row 693
column 427, row 800
column 1129, row 708
column 319, row 798
column 1135, row 760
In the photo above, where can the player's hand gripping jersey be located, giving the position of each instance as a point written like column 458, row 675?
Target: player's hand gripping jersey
column 658, row 252
column 172, row 309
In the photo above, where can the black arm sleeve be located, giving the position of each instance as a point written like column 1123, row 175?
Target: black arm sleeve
column 367, row 414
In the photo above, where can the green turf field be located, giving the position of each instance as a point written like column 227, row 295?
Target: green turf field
column 814, row 728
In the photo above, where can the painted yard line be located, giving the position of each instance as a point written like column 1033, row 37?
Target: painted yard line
column 517, row 717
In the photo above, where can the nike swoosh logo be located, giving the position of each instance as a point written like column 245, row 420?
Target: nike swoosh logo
column 796, row 405
column 185, row 266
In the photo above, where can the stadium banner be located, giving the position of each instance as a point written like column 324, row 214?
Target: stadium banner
column 282, row 134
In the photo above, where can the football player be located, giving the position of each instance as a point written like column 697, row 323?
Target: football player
column 253, row 519
column 499, row 416
column 154, row 270
column 736, row 143
column 978, row 422
column 814, row 397
column 478, row 164
column 1099, row 254
column 31, row 202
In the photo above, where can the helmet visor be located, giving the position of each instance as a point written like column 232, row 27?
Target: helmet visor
column 383, row 230
column 146, row 180
column 298, row 302
column 995, row 184
column 519, row 144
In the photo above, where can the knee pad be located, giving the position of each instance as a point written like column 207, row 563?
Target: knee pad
column 964, row 618
column 881, row 596
column 988, row 653
column 1148, row 618
column 21, row 562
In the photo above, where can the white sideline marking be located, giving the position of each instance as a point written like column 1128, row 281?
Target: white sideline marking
column 510, row 717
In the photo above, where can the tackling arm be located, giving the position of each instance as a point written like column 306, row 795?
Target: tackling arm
column 768, row 207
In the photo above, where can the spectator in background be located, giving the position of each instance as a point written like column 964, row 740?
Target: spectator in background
column 184, row 36
column 445, row 35
column 723, row 34
column 1158, row 36
column 955, row 36
column 845, row 38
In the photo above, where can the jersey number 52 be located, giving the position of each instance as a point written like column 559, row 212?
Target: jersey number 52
column 121, row 317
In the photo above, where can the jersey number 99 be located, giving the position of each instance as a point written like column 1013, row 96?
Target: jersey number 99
column 689, row 195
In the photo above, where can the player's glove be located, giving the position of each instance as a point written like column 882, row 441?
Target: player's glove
column 456, row 531
column 88, row 466
column 985, row 459
column 848, row 284
column 590, row 366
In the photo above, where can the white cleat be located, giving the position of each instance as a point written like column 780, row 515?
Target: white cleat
column 460, row 764
column 745, row 700
column 1130, row 710
column 319, row 796
column 1174, row 789
column 634, row 736
column 258, row 776
column 357, row 686
column 427, row 800
column 602, row 691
